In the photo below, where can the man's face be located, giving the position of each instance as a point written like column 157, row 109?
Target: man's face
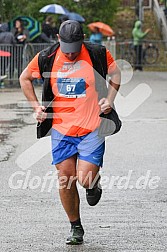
column 71, row 56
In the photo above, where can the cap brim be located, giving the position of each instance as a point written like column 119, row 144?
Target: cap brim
column 71, row 47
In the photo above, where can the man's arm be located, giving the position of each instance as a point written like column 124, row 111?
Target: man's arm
column 115, row 80
column 28, row 90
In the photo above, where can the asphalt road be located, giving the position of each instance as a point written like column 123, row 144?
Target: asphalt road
column 132, row 213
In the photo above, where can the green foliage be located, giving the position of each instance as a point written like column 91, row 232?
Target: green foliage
column 91, row 10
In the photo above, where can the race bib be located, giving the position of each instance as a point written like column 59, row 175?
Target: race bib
column 71, row 87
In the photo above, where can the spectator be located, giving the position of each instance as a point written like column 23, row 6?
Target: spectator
column 138, row 36
column 49, row 29
column 6, row 39
column 21, row 35
column 96, row 37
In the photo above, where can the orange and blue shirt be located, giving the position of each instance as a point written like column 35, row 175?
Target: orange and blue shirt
column 75, row 105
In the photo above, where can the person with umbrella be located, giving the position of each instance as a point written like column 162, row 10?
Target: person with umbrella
column 77, row 146
column 103, row 28
column 96, row 36
column 21, row 35
column 48, row 29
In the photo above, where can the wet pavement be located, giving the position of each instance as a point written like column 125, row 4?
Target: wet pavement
column 11, row 119
column 132, row 213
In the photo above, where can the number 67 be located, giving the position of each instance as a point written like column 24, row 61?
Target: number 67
column 70, row 88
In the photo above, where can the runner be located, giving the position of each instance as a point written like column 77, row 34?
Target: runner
column 77, row 149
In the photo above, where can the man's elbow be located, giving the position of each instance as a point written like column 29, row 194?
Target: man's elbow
column 24, row 77
column 21, row 78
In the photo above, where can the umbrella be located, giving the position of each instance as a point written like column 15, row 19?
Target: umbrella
column 31, row 24
column 54, row 8
column 4, row 53
column 103, row 28
column 73, row 16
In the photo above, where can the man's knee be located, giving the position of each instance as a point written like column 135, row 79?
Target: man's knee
column 87, row 180
column 66, row 179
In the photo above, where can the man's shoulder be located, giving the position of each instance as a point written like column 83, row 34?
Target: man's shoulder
column 91, row 47
column 47, row 52
column 46, row 57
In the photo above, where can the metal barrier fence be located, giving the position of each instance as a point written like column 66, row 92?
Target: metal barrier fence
column 153, row 55
column 18, row 56
column 15, row 58
column 111, row 46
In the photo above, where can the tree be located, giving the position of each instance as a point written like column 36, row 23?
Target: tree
column 91, row 10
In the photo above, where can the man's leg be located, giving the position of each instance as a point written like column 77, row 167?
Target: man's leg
column 68, row 190
column 88, row 177
column 90, row 159
column 87, row 173
column 70, row 198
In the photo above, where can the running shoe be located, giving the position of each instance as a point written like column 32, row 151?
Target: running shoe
column 93, row 195
column 76, row 236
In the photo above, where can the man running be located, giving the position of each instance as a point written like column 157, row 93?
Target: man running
column 77, row 149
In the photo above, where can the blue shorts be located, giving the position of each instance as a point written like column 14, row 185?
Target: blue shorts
column 89, row 147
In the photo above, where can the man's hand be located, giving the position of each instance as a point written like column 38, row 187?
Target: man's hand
column 40, row 114
column 105, row 106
